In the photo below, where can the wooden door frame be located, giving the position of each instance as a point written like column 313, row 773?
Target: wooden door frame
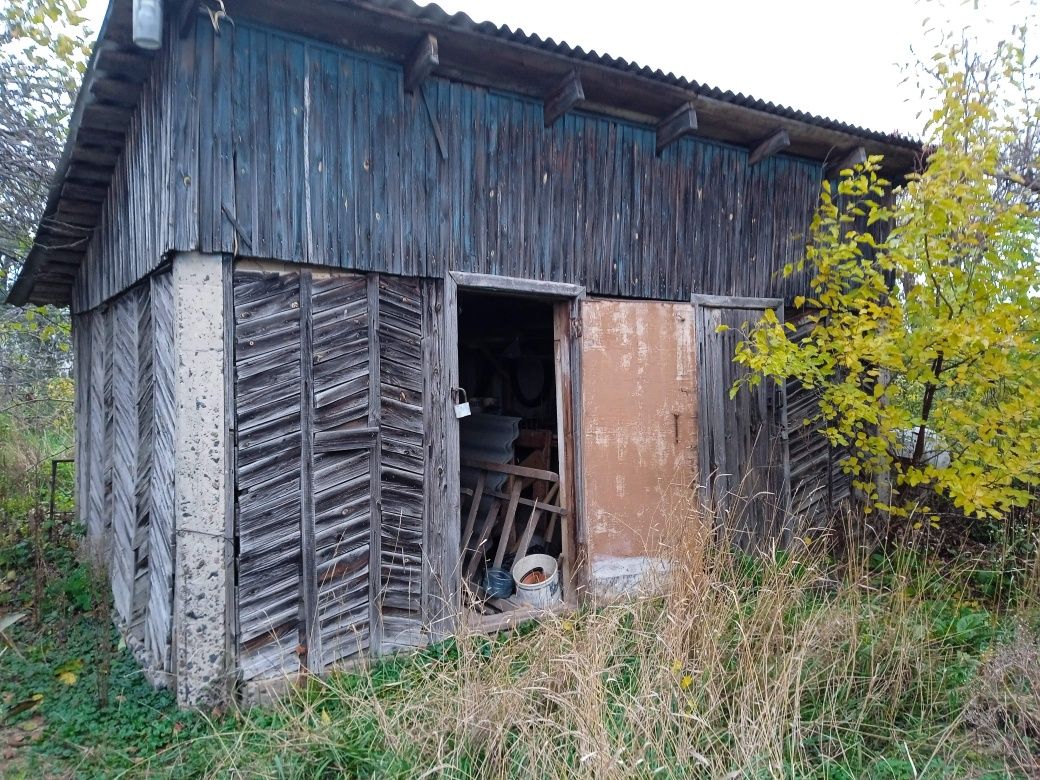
column 567, row 301
column 751, row 304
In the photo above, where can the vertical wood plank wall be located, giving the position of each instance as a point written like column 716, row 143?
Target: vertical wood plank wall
column 124, row 370
column 742, row 445
column 149, row 193
column 319, row 157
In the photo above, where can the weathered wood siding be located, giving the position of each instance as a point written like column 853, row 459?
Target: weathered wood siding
column 329, row 412
column 819, row 486
column 742, row 441
column 268, row 391
column 318, row 156
column 138, row 211
column 123, row 565
column 321, row 158
column 124, row 364
column 403, row 459
column 161, row 512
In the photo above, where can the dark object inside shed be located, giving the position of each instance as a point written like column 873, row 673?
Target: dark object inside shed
column 506, row 362
column 510, row 472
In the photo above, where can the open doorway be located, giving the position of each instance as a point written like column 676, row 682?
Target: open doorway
column 516, row 529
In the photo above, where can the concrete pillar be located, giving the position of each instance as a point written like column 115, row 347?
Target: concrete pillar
column 200, row 624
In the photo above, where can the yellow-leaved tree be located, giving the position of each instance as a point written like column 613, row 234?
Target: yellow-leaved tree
column 925, row 352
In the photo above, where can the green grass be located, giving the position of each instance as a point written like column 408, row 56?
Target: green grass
column 899, row 668
column 56, row 668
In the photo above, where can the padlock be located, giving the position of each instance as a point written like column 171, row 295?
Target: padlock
column 462, row 407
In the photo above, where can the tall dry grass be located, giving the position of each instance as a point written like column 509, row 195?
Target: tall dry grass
column 784, row 666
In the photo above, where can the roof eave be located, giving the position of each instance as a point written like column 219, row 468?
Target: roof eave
column 481, row 54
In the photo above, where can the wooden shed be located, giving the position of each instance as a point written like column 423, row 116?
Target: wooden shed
column 297, row 238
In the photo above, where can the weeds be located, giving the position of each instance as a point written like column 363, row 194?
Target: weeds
column 736, row 667
column 786, row 666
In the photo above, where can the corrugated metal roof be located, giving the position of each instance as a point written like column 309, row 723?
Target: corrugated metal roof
column 437, row 15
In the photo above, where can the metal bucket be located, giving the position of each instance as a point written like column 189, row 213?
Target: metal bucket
column 544, row 592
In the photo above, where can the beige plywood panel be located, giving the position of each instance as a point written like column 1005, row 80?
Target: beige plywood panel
column 639, row 391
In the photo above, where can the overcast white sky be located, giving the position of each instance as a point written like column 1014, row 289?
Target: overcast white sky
column 839, row 58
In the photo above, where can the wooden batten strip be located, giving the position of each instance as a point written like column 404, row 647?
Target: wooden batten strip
column 451, row 501
column 230, row 462
column 680, row 123
column 375, row 550
column 421, row 62
column 579, row 572
column 310, row 629
column 562, row 339
column 776, row 142
column 442, row 146
column 564, row 97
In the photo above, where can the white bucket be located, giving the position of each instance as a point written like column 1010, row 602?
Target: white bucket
column 541, row 594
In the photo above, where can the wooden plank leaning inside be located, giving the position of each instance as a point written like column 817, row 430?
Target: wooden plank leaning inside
column 502, row 523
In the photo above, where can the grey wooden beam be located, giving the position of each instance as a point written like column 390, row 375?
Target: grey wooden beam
column 681, row 122
column 107, row 156
column 564, row 97
column 770, row 146
column 113, row 119
column 83, row 192
column 126, row 64
column 72, row 206
column 70, row 234
column 87, row 173
column 857, row 155
column 63, row 256
column 124, row 93
column 73, row 217
column 310, row 629
column 375, row 508
column 510, row 284
column 734, row 302
column 421, row 62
